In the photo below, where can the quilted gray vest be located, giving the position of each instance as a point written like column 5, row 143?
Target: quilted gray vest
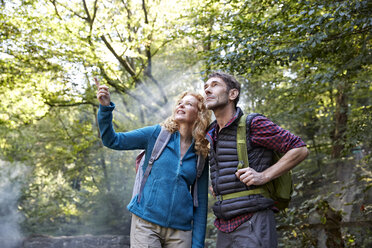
column 223, row 164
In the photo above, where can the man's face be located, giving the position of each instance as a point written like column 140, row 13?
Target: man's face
column 216, row 94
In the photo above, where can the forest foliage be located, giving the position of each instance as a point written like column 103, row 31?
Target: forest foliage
column 304, row 64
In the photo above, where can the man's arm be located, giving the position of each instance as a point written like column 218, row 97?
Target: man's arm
column 264, row 132
column 290, row 159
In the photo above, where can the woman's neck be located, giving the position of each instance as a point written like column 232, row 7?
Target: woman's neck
column 185, row 133
column 185, row 138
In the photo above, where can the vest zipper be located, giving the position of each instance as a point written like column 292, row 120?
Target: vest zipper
column 216, row 161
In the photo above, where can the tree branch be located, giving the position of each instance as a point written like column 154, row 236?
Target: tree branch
column 343, row 35
column 159, row 87
column 68, row 103
column 88, row 18
column 145, row 11
column 69, row 9
column 123, row 62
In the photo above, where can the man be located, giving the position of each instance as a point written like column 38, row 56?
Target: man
column 245, row 221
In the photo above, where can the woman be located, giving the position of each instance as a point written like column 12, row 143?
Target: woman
column 164, row 216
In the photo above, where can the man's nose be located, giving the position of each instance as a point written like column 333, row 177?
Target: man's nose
column 207, row 89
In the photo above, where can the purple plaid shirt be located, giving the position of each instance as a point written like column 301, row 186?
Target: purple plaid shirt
column 266, row 133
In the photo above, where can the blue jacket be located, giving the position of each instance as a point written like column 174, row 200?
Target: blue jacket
column 166, row 198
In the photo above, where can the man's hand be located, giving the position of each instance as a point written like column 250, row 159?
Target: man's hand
column 251, row 177
column 292, row 158
column 103, row 94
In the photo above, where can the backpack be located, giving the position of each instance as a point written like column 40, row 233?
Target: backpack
column 141, row 177
column 279, row 189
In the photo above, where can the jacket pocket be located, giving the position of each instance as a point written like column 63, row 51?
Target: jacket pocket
column 152, row 193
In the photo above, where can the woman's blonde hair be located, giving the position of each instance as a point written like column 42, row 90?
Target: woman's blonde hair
column 200, row 125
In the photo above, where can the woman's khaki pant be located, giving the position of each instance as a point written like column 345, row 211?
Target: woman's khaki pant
column 144, row 234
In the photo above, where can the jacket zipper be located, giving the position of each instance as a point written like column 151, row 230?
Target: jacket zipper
column 177, row 179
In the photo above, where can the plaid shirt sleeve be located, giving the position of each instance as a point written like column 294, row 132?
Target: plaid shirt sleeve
column 266, row 133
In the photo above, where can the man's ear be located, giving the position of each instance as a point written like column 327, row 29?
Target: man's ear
column 233, row 94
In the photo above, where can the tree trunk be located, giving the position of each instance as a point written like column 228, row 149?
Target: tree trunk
column 340, row 121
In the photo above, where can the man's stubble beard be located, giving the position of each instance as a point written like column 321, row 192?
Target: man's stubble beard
column 220, row 103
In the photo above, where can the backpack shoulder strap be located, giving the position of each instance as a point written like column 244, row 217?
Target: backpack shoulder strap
column 241, row 143
column 160, row 143
column 199, row 171
column 200, row 165
column 241, row 139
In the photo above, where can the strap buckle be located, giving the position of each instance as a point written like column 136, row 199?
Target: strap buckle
column 219, row 197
